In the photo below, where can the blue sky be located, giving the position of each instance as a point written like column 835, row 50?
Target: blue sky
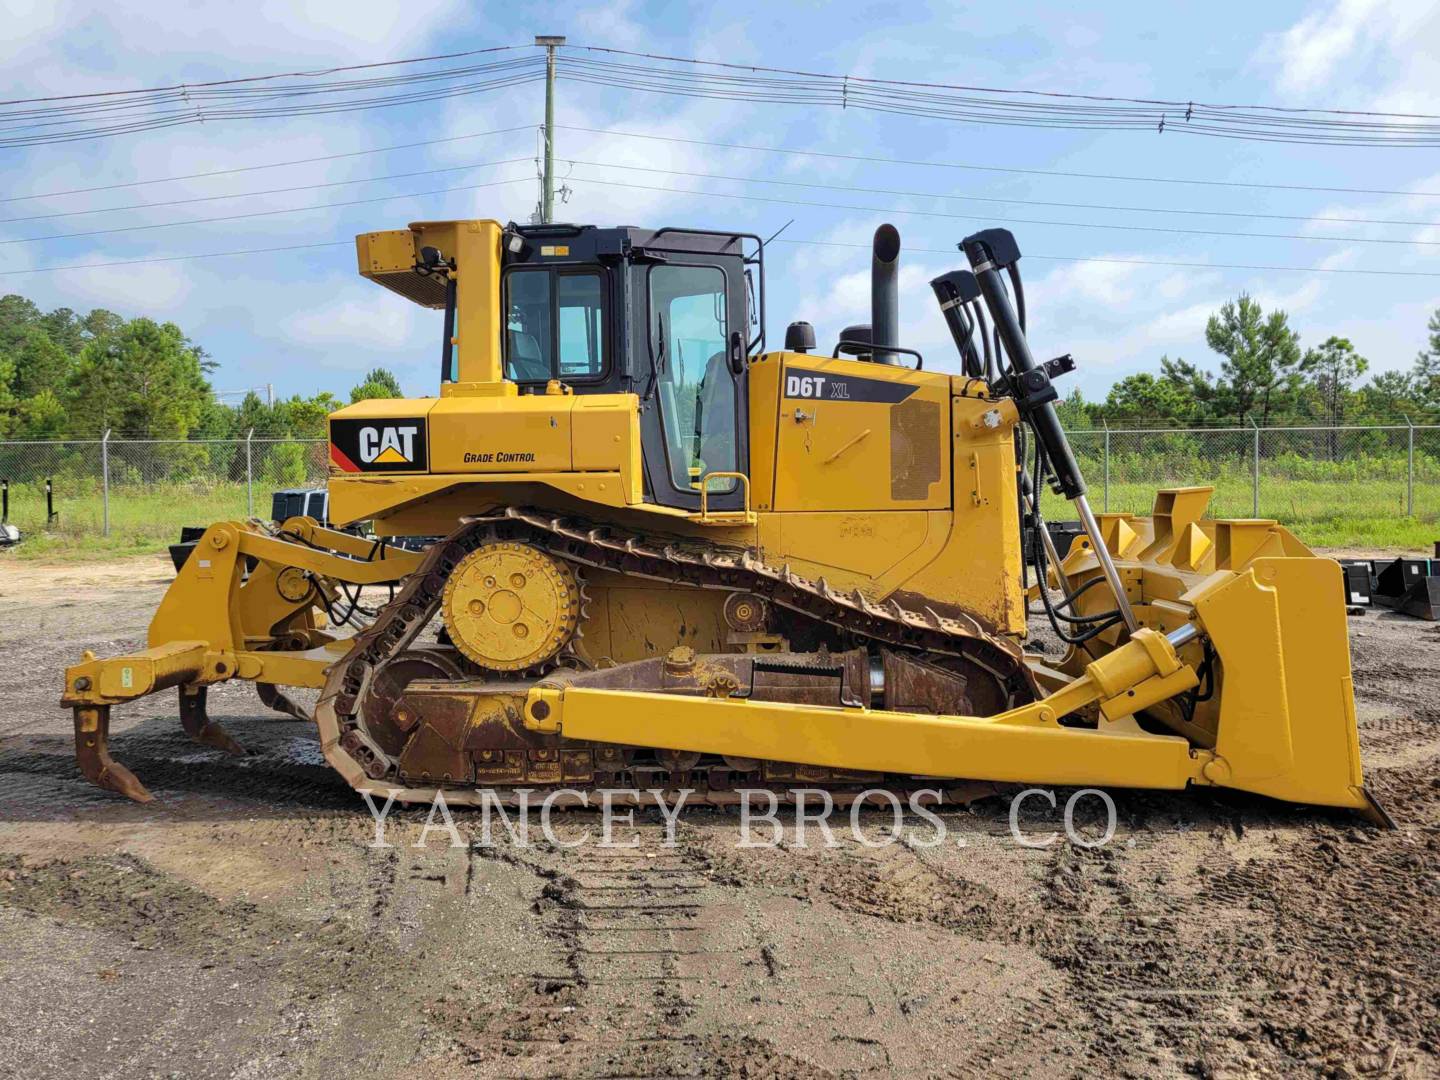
column 305, row 322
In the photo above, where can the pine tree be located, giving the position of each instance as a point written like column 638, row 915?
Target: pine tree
column 380, row 383
column 1425, row 375
column 1260, row 370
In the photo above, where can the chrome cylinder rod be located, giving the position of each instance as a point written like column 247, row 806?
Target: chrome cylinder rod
column 1107, row 564
column 1183, row 635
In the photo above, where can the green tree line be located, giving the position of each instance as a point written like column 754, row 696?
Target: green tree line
column 1267, row 378
column 67, row 375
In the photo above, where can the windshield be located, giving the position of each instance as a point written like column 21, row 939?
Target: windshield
column 697, row 391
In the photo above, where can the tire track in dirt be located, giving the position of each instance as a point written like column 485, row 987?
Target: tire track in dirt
column 638, row 960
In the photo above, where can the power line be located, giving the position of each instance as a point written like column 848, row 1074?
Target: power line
column 991, row 217
column 179, row 258
column 36, row 121
column 748, row 69
column 690, row 191
column 1148, row 262
column 989, row 105
column 1023, row 202
column 263, row 213
column 255, row 168
column 263, row 78
column 117, row 114
column 246, row 195
column 1171, row 103
column 997, row 168
column 1018, row 202
column 699, row 175
column 809, row 243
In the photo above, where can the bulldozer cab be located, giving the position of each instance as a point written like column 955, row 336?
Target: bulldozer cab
column 668, row 315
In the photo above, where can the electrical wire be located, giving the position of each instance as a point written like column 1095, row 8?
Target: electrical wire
column 255, row 168
column 1168, row 210
column 772, row 182
column 179, row 258
column 66, row 118
column 266, row 191
column 101, row 116
column 270, row 213
column 714, row 176
column 1172, row 103
column 1124, row 177
column 263, row 78
column 1150, row 262
column 982, row 105
column 1015, row 220
column 350, row 243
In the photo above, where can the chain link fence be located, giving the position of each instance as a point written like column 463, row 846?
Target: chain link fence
column 146, row 489
column 1298, row 475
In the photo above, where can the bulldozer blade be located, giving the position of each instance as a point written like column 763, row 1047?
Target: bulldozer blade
column 1375, row 813
column 92, row 753
column 200, row 727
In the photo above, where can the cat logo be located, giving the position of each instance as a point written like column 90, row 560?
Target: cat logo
column 388, row 445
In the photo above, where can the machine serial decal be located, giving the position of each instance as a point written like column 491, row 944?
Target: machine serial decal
column 828, row 386
column 389, row 445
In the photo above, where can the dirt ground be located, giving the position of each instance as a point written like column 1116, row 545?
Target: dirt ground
column 244, row 925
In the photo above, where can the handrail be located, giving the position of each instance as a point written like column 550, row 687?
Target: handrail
column 705, row 492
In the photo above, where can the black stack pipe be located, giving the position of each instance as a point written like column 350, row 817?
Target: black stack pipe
column 885, row 294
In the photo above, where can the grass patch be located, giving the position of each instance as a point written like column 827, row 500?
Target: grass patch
column 142, row 520
column 1337, row 512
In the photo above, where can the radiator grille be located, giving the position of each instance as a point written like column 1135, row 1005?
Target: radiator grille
column 426, row 291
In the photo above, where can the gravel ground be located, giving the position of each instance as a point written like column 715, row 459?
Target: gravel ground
column 244, row 925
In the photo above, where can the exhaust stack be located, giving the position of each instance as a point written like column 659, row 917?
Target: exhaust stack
column 885, row 293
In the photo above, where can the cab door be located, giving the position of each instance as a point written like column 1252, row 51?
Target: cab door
column 694, row 420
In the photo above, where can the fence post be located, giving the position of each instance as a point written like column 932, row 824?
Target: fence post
column 105, row 483
column 1255, row 474
column 249, row 476
column 1409, row 468
column 1105, row 500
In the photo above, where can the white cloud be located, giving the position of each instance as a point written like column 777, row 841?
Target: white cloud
column 1181, row 324
column 136, row 290
column 28, row 22
column 387, row 323
column 1311, row 49
column 1394, row 38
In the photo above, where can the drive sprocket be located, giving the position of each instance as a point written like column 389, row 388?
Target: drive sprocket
column 512, row 607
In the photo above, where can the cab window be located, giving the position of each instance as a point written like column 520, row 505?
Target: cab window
column 554, row 325
column 698, row 397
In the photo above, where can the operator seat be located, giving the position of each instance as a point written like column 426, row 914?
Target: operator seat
column 526, row 363
column 715, row 417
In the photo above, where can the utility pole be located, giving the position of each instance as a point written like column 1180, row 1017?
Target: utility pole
column 547, row 196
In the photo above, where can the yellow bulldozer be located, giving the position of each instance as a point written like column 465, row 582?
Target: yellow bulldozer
column 629, row 547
